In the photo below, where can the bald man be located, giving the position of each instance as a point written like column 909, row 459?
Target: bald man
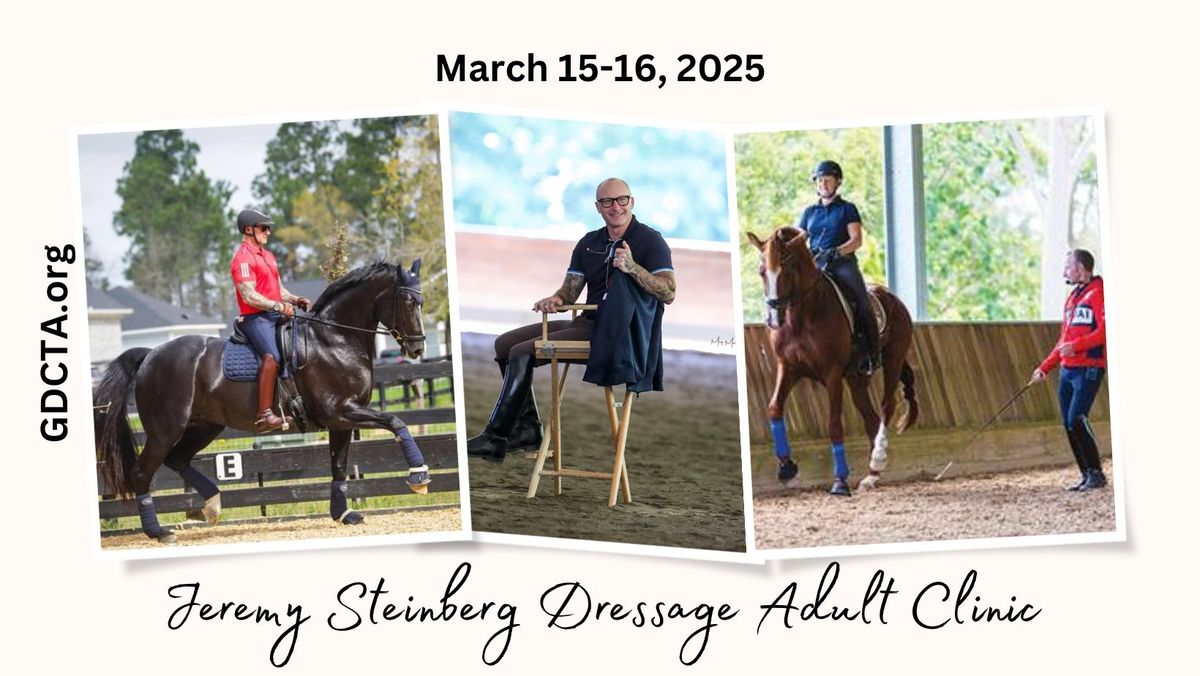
column 622, row 246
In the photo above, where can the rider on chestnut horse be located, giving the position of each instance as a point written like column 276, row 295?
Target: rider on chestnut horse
column 835, row 232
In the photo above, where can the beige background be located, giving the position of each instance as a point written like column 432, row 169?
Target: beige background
column 1115, row 608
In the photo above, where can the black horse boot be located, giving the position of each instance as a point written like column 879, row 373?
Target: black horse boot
column 267, row 420
column 492, row 443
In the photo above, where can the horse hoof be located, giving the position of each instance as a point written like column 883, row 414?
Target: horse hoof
column 868, row 482
column 164, row 537
column 212, row 509
column 840, row 488
column 418, row 479
column 352, row 519
column 788, row 472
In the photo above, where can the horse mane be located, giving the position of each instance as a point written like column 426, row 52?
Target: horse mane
column 784, row 243
column 350, row 280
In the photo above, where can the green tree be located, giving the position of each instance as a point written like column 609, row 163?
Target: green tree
column 319, row 175
column 93, row 268
column 774, row 185
column 411, row 218
column 982, row 255
column 177, row 222
column 300, row 158
column 360, row 172
column 1057, row 159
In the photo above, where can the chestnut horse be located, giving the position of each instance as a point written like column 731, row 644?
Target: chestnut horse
column 811, row 338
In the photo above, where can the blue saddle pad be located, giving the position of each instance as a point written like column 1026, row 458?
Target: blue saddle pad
column 239, row 362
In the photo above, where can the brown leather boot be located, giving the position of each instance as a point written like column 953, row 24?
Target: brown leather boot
column 267, row 420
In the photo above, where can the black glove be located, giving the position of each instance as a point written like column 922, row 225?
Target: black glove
column 826, row 256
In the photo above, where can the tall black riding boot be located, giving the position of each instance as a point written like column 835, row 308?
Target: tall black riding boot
column 1077, row 449
column 492, row 443
column 528, row 432
column 1094, row 474
column 871, row 361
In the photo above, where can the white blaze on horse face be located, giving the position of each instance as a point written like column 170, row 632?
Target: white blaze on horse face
column 772, row 290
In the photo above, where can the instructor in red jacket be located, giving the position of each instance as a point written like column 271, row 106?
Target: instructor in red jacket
column 1081, row 353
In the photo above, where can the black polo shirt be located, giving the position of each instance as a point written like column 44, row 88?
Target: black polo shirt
column 826, row 223
column 593, row 255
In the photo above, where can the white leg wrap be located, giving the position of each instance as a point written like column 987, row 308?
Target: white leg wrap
column 879, row 456
column 868, row 482
column 212, row 509
column 422, row 468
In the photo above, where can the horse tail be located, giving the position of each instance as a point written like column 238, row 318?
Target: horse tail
column 115, row 447
column 908, row 383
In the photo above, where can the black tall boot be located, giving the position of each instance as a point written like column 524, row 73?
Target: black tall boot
column 1094, row 473
column 528, row 432
column 1077, row 450
column 492, row 443
column 871, row 361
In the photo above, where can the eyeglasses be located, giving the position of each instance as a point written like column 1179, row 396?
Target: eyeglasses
column 607, row 202
column 263, row 227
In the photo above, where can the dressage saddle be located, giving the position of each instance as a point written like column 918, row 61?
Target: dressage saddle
column 240, row 363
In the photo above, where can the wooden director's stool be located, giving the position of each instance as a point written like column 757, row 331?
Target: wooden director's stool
column 568, row 352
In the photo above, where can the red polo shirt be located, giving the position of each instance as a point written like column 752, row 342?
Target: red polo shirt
column 252, row 263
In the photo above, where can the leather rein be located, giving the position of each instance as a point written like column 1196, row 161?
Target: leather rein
column 411, row 291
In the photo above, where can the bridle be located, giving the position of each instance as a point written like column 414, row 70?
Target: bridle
column 781, row 303
column 413, row 292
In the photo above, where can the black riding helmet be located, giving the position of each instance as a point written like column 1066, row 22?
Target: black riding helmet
column 827, row 168
column 251, row 217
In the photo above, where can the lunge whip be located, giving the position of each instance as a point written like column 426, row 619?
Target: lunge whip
column 984, row 428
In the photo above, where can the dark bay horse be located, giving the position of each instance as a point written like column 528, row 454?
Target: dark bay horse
column 811, row 338
column 185, row 401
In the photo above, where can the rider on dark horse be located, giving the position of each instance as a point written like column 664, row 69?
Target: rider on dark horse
column 262, row 302
column 835, row 232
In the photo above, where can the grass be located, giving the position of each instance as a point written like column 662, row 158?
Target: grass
column 317, row 507
column 394, row 395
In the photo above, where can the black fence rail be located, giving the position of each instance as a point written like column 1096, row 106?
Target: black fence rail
column 387, row 377
column 242, row 474
column 428, row 373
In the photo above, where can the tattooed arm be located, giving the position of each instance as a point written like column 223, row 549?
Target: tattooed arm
column 568, row 293
column 289, row 297
column 254, row 299
column 660, row 285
